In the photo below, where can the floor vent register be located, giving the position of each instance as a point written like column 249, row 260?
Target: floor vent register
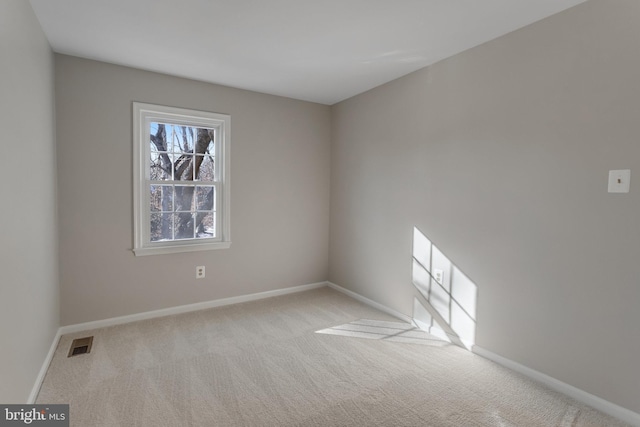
column 80, row 346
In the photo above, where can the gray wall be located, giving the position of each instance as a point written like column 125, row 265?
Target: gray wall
column 279, row 194
column 500, row 155
column 29, row 314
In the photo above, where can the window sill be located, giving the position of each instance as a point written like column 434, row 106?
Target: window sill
column 174, row 249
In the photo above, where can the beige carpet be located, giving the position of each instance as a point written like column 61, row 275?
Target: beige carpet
column 264, row 364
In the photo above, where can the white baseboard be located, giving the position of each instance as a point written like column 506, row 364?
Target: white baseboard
column 371, row 303
column 564, row 388
column 43, row 370
column 186, row 308
column 581, row 396
column 153, row 314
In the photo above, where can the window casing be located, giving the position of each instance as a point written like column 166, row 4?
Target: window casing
column 181, row 180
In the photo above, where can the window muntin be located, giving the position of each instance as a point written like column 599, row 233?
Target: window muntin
column 182, row 179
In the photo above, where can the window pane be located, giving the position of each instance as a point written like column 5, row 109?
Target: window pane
column 204, row 141
column 161, row 226
column 160, row 166
column 205, row 197
column 205, row 171
column 183, row 138
column 184, row 225
column 161, row 198
column 183, row 167
column 158, row 137
column 206, row 227
column 184, row 198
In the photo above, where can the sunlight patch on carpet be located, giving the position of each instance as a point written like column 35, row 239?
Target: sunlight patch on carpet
column 382, row 330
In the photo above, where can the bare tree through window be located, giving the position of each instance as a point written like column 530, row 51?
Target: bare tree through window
column 182, row 182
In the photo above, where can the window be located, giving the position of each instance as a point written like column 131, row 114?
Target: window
column 181, row 180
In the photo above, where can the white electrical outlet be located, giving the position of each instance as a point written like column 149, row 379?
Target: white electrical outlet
column 200, row 272
column 438, row 275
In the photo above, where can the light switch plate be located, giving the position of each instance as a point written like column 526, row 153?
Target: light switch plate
column 619, row 181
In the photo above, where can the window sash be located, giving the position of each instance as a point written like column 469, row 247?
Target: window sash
column 195, row 184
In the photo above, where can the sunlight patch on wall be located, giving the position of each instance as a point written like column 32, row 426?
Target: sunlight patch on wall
column 447, row 297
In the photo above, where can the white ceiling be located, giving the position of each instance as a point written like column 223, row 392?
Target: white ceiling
column 315, row 50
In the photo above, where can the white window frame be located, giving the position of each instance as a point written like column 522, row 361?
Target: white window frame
column 143, row 115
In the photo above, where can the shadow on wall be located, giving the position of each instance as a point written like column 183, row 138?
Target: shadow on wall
column 446, row 303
